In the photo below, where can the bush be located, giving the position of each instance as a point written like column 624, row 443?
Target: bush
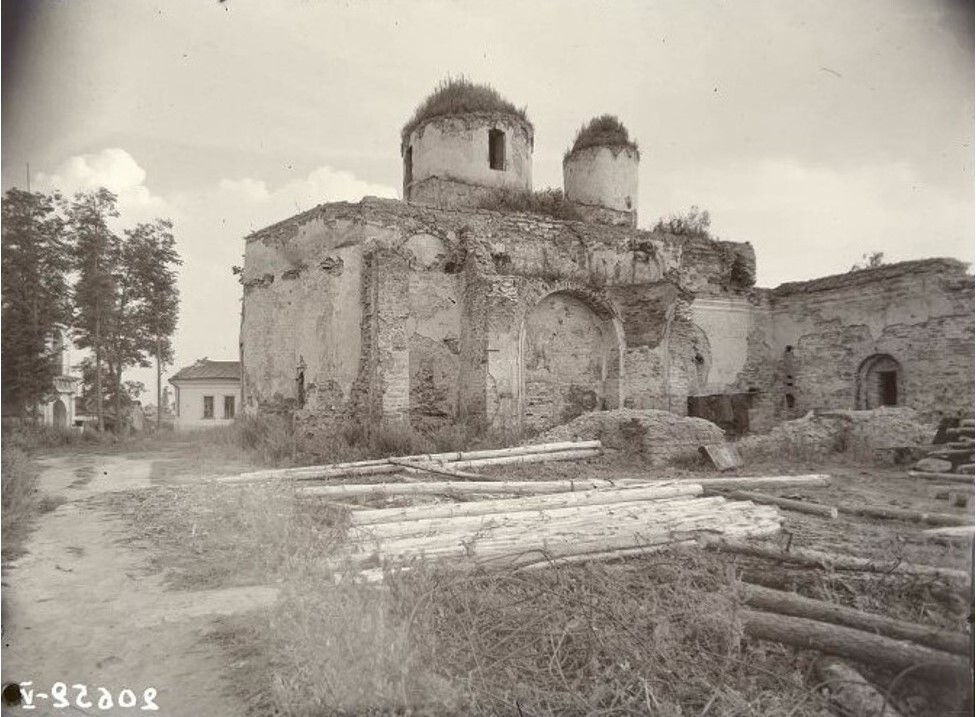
column 458, row 96
column 31, row 437
column 693, row 223
column 602, row 131
column 548, row 202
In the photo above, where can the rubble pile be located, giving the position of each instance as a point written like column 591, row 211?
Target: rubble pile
column 877, row 434
column 657, row 436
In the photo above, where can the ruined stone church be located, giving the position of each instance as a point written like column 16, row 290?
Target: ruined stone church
column 460, row 304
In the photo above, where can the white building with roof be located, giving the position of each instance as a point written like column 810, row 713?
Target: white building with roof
column 207, row 394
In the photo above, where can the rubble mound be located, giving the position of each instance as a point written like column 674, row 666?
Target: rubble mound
column 874, row 435
column 657, row 436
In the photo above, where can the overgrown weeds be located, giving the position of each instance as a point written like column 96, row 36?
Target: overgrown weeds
column 33, row 437
column 458, row 96
column 20, row 498
column 602, row 131
column 547, row 202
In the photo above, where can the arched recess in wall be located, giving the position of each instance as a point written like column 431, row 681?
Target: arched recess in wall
column 570, row 358
column 60, row 414
column 879, row 382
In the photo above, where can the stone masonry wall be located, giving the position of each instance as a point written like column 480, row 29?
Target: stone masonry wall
column 919, row 313
column 413, row 312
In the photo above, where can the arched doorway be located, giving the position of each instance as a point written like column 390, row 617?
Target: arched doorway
column 570, row 360
column 60, row 414
column 879, row 382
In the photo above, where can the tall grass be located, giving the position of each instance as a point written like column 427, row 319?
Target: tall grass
column 456, row 96
column 547, row 202
column 19, row 498
column 602, row 131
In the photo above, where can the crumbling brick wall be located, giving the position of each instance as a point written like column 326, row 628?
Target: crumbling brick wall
column 920, row 313
column 412, row 312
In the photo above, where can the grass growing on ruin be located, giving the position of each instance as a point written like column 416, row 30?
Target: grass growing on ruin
column 602, row 131
column 547, row 202
column 458, row 96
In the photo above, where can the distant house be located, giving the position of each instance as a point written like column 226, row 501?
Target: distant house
column 207, row 394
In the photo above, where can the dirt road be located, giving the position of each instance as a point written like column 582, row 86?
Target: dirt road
column 80, row 608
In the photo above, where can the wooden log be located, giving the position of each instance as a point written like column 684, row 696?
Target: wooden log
column 600, row 496
column 334, row 470
column 884, row 511
column 948, row 477
column 785, row 603
column 554, row 486
column 961, row 431
column 826, row 511
column 815, row 480
column 607, row 555
column 949, row 452
column 863, row 647
column 459, row 488
column 574, row 455
column 384, row 468
column 835, row 561
column 854, row 695
column 965, row 468
column 537, row 522
column 959, row 531
column 437, row 468
column 514, row 546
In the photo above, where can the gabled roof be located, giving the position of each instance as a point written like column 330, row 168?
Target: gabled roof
column 205, row 369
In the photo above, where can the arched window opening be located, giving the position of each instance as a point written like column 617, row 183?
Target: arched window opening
column 879, row 382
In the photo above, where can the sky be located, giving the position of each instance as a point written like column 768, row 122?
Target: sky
column 816, row 131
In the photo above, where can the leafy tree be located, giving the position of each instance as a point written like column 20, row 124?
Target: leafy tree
column 35, row 297
column 97, row 257
column 695, row 223
column 151, row 259
column 870, row 260
column 121, row 396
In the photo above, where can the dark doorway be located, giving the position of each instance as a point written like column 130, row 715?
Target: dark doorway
column 888, row 388
column 496, row 149
column 880, row 382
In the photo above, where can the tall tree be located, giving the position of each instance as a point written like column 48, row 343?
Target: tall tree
column 97, row 255
column 35, row 297
column 152, row 260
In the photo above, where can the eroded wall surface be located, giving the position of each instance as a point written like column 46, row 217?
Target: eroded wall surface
column 828, row 332
column 387, row 310
column 391, row 310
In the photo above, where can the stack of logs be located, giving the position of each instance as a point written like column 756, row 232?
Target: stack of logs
column 533, row 524
column 950, row 457
column 543, row 526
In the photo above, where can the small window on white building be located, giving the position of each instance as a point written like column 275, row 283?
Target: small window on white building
column 496, row 149
column 228, row 406
column 208, row 407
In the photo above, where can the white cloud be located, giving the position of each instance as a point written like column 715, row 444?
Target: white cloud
column 116, row 170
column 210, row 235
column 209, row 227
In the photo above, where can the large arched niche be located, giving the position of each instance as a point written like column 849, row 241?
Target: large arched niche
column 570, row 358
column 880, row 382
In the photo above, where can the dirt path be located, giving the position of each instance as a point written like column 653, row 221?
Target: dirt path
column 79, row 608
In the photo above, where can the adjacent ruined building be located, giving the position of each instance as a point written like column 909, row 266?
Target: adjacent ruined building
column 436, row 309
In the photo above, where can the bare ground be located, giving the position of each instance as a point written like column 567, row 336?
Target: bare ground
column 89, row 604
column 81, row 607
